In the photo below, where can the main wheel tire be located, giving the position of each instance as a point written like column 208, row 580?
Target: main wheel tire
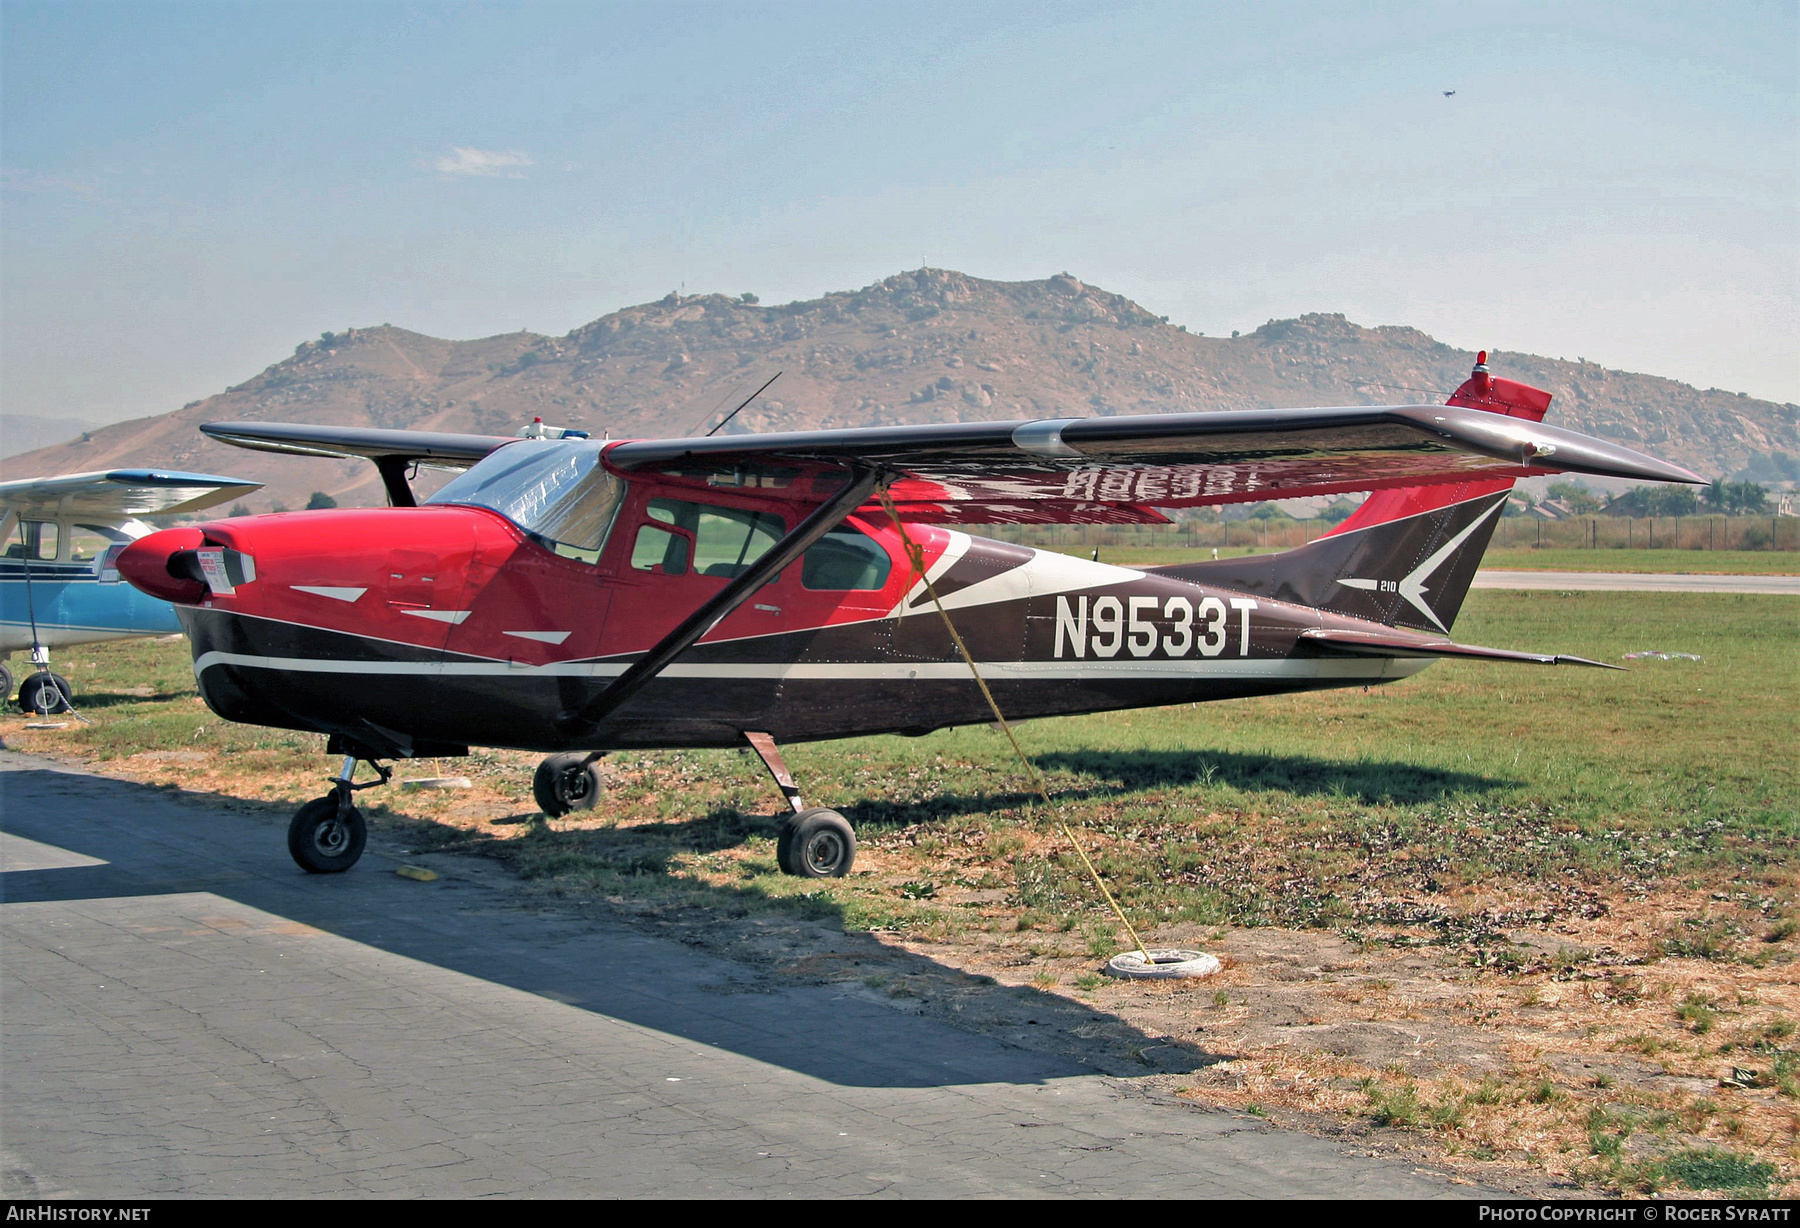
column 46, row 693
column 816, row 843
column 566, row 782
column 321, row 842
column 6, row 682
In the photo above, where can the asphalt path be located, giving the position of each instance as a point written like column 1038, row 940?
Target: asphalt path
column 187, row 1014
column 1635, row 582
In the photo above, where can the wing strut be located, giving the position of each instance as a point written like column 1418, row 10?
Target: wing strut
column 826, row 517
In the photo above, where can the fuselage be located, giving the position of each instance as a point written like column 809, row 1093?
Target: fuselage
column 451, row 625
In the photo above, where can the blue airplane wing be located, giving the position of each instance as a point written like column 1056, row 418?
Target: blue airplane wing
column 120, row 494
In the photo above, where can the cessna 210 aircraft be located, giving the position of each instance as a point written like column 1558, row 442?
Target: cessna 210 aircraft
column 59, row 583
column 577, row 596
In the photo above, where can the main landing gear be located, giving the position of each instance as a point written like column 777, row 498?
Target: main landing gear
column 567, row 782
column 814, row 842
column 328, row 833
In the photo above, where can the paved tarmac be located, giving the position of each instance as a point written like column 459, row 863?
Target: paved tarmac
column 1635, row 582
column 187, row 1014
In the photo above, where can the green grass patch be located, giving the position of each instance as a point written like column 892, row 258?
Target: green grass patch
column 1713, row 1168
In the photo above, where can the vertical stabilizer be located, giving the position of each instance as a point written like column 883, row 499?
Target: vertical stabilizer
column 1406, row 557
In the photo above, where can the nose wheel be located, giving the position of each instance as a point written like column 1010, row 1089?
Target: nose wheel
column 327, row 834
column 46, row 693
column 324, row 839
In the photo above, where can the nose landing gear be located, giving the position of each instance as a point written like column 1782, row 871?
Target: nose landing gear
column 327, row 834
column 814, row 842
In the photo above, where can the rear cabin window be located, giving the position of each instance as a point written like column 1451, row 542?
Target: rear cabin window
column 844, row 559
column 724, row 540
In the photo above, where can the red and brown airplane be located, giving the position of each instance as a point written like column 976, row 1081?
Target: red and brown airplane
column 574, row 596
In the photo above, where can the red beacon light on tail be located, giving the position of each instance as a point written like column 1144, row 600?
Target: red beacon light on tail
column 1484, row 382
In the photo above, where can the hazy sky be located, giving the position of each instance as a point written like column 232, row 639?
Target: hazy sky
column 192, row 189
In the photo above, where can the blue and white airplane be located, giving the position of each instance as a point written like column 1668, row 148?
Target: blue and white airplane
column 58, row 584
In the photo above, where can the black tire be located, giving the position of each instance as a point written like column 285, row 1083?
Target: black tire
column 6, row 682
column 566, row 782
column 816, row 843
column 46, row 693
column 320, row 843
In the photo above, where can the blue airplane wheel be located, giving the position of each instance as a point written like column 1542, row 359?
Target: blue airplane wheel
column 816, row 843
column 46, row 693
column 323, row 842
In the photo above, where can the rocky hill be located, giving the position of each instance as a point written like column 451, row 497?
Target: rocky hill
column 930, row 345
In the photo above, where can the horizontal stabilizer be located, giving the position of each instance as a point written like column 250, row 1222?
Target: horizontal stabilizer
column 120, row 494
column 1399, row 644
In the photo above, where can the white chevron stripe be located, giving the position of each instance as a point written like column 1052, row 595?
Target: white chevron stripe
column 1369, row 668
column 453, row 617
column 1413, row 587
column 324, row 590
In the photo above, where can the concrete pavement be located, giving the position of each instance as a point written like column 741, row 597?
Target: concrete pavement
column 187, row 1014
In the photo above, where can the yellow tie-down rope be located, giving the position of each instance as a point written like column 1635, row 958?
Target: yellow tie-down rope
column 917, row 557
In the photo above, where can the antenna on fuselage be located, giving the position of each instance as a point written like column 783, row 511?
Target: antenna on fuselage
column 734, row 413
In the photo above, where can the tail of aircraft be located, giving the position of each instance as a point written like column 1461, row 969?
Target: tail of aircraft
column 1406, row 557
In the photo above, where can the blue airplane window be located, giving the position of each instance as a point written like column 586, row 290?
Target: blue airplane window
column 88, row 542
column 844, row 559
column 556, row 491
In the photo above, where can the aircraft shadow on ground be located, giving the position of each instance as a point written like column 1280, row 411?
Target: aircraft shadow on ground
column 1370, row 782
column 806, row 1016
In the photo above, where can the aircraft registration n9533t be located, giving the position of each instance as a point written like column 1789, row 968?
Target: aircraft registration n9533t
column 574, row 596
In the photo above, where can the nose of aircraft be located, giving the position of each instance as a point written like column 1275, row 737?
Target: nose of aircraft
column 166, row 564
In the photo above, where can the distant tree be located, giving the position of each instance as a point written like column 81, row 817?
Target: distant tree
column 1654, row 501
column 1339, row 511
column 1712, row 497
column 1268, row 511
column 320, row 500
column 748, row 297
column 1746, row 498
column 278, row 507
column 238, row 509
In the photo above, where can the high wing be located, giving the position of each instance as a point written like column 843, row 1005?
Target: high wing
column 1076, row 470
column 1063, row 470
column 392, row 451
column 120, row 494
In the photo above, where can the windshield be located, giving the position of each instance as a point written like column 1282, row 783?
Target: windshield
column 554, row 490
